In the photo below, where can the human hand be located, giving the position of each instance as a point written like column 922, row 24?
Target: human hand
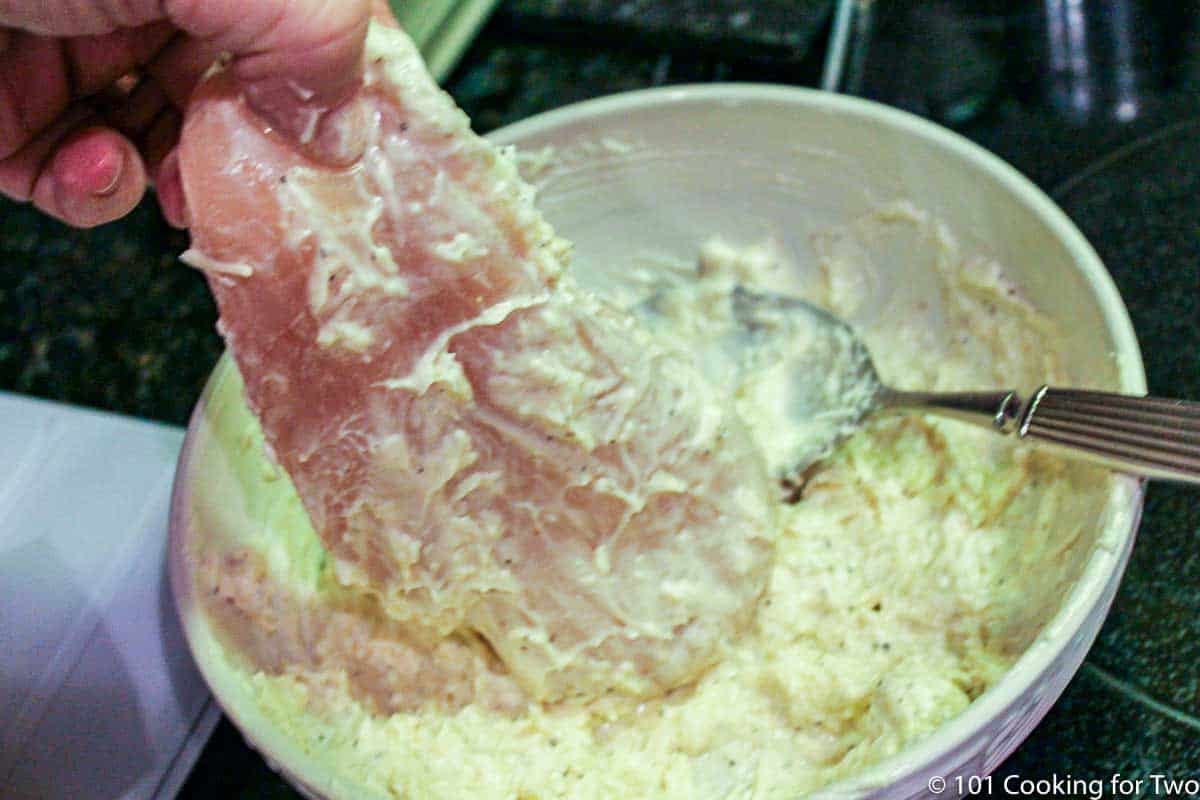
column 92, row 91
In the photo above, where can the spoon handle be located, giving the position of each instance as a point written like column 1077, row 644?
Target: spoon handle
column 1149, row 436
column 1153, row 437
column 999, row 410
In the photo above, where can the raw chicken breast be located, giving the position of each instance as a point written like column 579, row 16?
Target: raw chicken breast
column 481, row 445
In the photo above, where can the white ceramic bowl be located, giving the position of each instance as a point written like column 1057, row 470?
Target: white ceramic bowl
column 661, row 170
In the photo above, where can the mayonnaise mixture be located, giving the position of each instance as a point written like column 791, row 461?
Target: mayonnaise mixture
column 915, row 564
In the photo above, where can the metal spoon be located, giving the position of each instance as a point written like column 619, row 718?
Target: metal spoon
column 1152, row 437
column 831, row 386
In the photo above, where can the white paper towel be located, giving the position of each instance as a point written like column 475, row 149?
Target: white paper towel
column 99, row 697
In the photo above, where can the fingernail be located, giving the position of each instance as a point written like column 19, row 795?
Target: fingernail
column 107, row 174
column 169, row 186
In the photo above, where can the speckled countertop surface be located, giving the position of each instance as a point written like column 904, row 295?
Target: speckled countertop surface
column 108, row 318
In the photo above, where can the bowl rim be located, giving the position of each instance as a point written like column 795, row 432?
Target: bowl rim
column 1094, row 588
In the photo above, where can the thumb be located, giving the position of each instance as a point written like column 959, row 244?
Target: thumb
column 299, row 61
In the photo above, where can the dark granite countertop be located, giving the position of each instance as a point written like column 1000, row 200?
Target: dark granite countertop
column 1101, row 110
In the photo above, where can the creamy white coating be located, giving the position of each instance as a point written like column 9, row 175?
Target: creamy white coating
column 800, row 379
column 197, row 260
column 438, row 365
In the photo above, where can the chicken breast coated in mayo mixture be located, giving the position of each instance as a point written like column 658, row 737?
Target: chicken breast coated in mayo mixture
column 484, row 449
